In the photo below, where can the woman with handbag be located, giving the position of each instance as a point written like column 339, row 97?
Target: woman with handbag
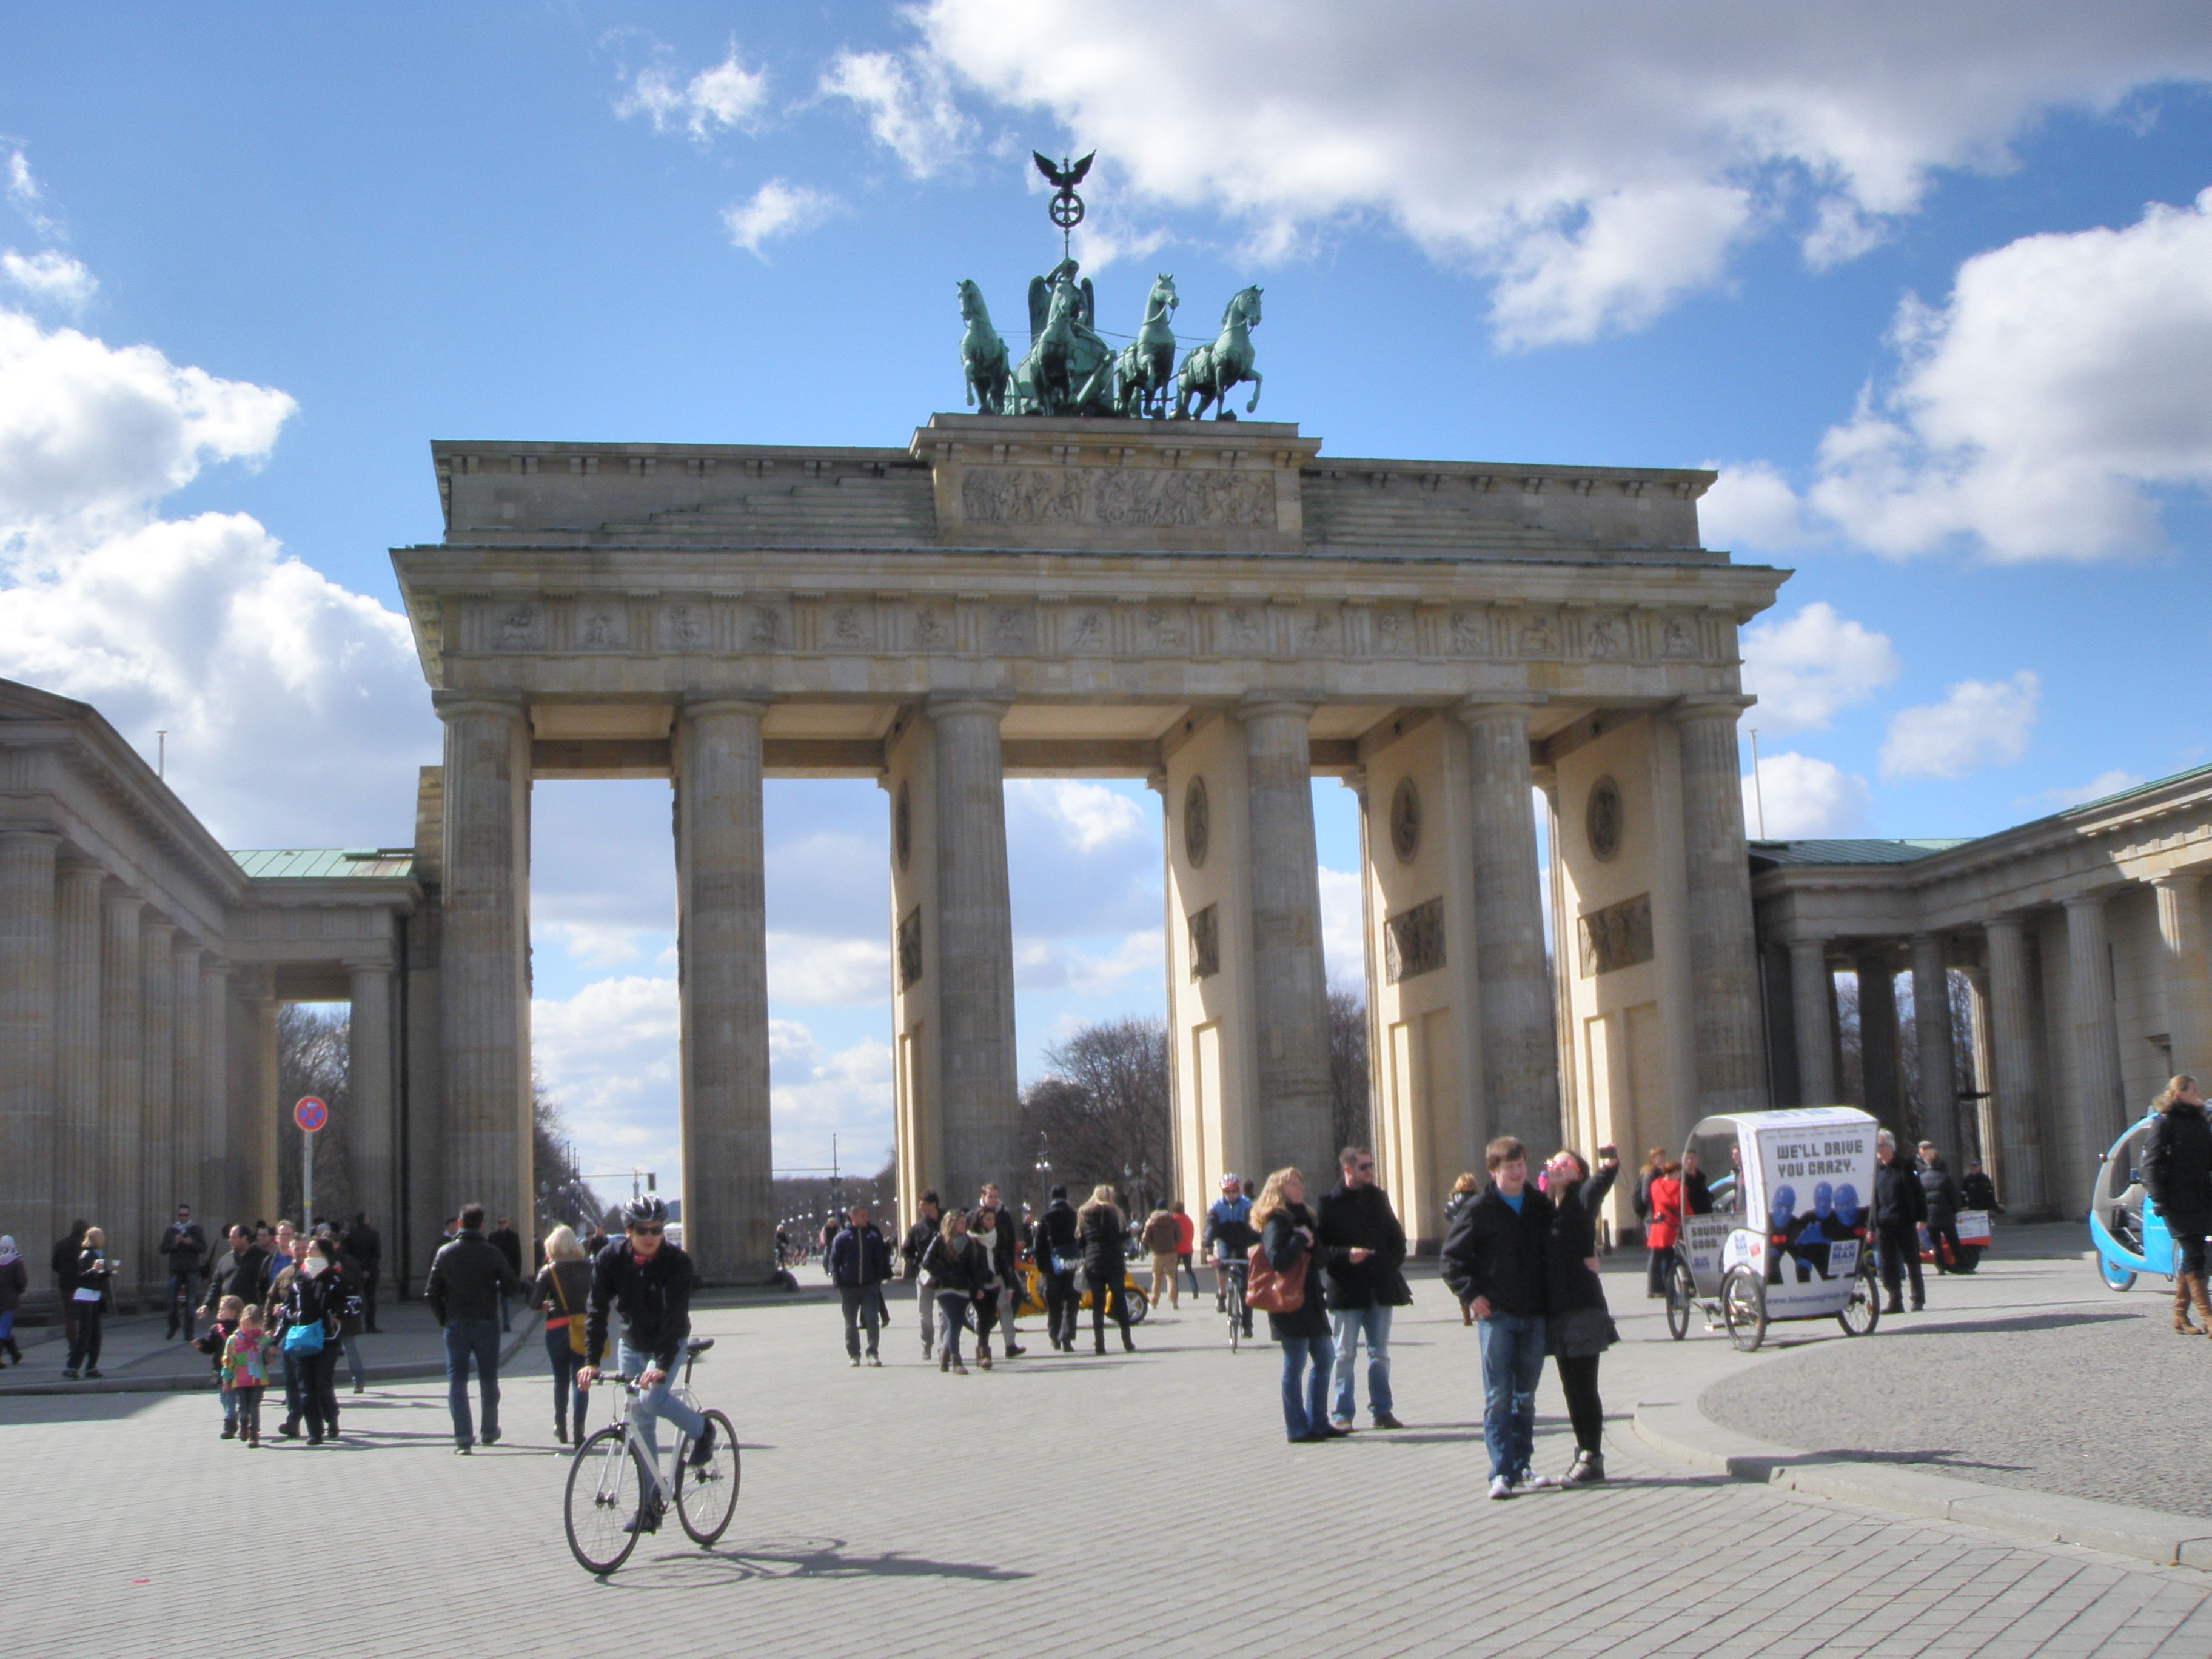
column 311, row 1311
column 563, row 1290
column 1577, row 1325
column 1289, row 1293
column 1100, row 1227
column 955, row 1266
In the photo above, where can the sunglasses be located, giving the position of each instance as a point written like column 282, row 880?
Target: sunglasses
column 1363, row 1169
column 654, row 1231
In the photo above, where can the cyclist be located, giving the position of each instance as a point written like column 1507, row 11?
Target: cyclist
column 648, row 1280
column 1229, row 1238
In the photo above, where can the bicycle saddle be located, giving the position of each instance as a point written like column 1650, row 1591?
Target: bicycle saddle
column 699, row 1345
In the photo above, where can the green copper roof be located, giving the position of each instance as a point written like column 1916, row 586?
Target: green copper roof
column 1850, row 852
column 327, row 863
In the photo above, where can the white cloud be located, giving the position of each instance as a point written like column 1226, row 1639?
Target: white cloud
column 1599, row 159
column 1090, row 818
column 909, row 105
column 2104, row 784
column 2037, row 413
column 1047, row 964
column 809, row 971
column 1978, row 723
column 1751, row 506
column 609, row 1055
column 778, row 208
column 1807, row 668
column 49, row 277
column 26, row 197
column 595, row 944
column 1343, row 928
column 728, row 96
column 1805, row 799
column 812, row 1096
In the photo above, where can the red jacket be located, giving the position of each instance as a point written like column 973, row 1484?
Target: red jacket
column 1666, row 1214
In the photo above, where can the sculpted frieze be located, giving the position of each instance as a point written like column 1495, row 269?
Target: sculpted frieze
column 601, row 625
column 1131, row 497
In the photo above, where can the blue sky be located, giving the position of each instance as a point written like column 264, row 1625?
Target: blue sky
column 1932, row 287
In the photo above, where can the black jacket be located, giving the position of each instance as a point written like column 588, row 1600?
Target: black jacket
column 1980, row 1191
column 915, row 1245
column 1006, row 1246
column 365, row 1245
column 508, row 1243
column 1697, row 1194
column 1493, row 1253
column 184, row 1248
column 318, row 1300
column 653, row 1298
column 563, row 1288
column 1362, row 1220
column 1898, row 1197
column 859, row 1258
column 248, row 1278
column 467, row 1277
column 1104, row 1261
column 1279, row 1238
column 1568, row 1281
column 1055, row 1234
column 64, row 1262
column 960, row 1272
column 1940, row 1192
column 2176, row 1165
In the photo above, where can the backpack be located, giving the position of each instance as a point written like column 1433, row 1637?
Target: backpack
column 1270, row 1292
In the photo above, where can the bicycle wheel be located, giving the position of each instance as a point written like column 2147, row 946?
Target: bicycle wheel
column 607, row 1485
column 1743, row 1309
column 1234, row 1300
column 1681, row 1295
column 707, row 1497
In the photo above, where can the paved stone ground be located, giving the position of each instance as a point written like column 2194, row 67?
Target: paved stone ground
column 1056, row 1505
column 2027, row 1374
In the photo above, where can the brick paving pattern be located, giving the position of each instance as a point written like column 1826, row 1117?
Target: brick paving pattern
column 1057, row 1504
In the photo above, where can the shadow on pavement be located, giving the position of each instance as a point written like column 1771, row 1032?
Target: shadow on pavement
column 823, row 1558
column 2049, row 1322
column 86, row 1407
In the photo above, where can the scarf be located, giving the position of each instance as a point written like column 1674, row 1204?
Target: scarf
column 7, row 1251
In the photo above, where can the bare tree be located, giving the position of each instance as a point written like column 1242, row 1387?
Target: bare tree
column 563, row 1196
column 1102, row 1112
column 313, row 1057
column 1347, row 1067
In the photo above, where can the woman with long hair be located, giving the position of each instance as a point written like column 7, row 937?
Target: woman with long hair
column 1286, row 1229
column 1577, row 1325
column 955, row 1266
column 1099, row 1227
column 2177, row 1168
column 564, row 1291
column 94, row 1270
column 313, row 1298
column 1664, row 1229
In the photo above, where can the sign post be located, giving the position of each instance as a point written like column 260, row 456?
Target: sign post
column 310, row 1114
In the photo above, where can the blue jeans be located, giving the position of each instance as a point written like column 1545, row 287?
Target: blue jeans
column 477, row 1340
column 179, row 1299
column 1302, row 1407
column 1350, row 1325
column 1512, row 1365
column 657, row 1403
column 566, row 1363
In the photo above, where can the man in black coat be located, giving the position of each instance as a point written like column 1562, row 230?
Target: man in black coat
column 1899, row 1206
column 1978, row 1190
column 1361, row 1292
column 1938, row 1187
column 1493, row 1259
column 912, row 1249
column 366, row 1246
column 470, row 1280
column 2177, row 1173
column 184, row 1252
column 508, row 1243
column 1055, row 1243
column 858, row 1262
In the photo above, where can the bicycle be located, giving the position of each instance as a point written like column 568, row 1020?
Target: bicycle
column 1233, row 1302
column 613, row 1472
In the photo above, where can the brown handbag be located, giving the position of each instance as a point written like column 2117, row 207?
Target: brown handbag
column 1272, row 1293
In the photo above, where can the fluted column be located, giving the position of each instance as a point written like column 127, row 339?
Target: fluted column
column 221, row 1188
column 256, row 1117
column 2015, row 1078
column 729, row 1226
column 2099, row 1113
column 1938, row 1066
column 1729, row 1051
column 122, row 1018
column 79, row 1150
column 1877, row 975
column 484, row 984
column 188, row 1097
column 368, row 1057
column 979, row 1114
column 1513, row 988
column 1290, row 977
column 1809, row 992
column 157, row 1088
column 27, row 966
column 2188, row 990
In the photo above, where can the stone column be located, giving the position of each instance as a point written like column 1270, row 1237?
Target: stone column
column 1877, row 975
column 1289, row 979
column 188, row 1093
column 1513, row 988
column 484, row 1023
column 257, row 1111
column 369, row 1056
column 2015, row 1077
column 2188, row 991
column 28, row 969
column 1729, row 1055
column 1938, row 1065
column 978, row 1100
column 157, row 1088
column 2099, row 1113
column 1809, row 993
column 221, row 1189
column 722, row 941
column 1981, row 1070
column 79, row 1152
column 122, row 1022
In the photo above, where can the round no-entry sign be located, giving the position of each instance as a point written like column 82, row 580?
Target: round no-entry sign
column 311, row 1114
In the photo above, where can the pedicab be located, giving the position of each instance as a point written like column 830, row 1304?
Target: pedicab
column 1033, row 1293
column 2129, row 1234
column 1791, row 1236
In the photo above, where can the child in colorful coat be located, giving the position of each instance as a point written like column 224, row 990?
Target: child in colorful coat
column 246, row 1372
column 212, row 1344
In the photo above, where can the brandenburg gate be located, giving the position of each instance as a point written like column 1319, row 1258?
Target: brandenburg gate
column 1216, row 607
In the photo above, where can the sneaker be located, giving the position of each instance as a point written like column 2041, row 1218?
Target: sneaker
column 1589, row 1471
column 462, row 1448
column 958, row 1370
column 1542, row 1482
column 1341, row 1425
column 491, row 1436
column 1012, row 1351
column 649, row 1518
column 853, row 1360
column 873, row 1360
column 1385, row 1420
column 1501, row 1485
column 703, row 1448
column 983, row 1359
